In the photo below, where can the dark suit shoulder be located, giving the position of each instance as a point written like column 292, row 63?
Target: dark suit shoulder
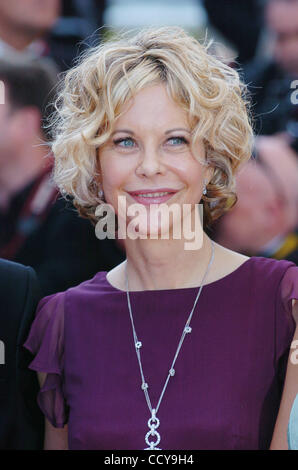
column 21, row 424
column 11, row 274
column 16, row 280
column 19, row 294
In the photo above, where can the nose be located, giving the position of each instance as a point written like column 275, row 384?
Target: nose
column 150, row 163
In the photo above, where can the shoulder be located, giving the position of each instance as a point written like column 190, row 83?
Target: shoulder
column 278, row 281
column 74, row 299
column 67, row 313
column 233, row 260
column 256, row 272
column 270, row 274
column 16, row 281
column 271, row 286
column 273, row 268
column 97, row 285
column 19, row 294
column 11, row 273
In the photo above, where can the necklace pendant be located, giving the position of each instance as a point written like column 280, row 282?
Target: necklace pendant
column 153, row 424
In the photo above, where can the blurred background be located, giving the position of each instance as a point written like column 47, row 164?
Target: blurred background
column 41, row 38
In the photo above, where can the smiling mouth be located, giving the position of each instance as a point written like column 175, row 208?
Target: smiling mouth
column 152, row 197
column 164, row 193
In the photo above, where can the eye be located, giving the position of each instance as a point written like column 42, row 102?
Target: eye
column 126, row 141
column 178, row 140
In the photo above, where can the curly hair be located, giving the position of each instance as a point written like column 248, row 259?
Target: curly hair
column 107, row 76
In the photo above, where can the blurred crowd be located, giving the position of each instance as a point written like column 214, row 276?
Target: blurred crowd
column 264, row 221
column 38, row 228
column 39, row 39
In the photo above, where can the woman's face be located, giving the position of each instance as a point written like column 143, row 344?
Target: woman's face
column 148, row 158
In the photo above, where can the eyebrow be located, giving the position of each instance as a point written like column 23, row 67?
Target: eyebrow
column 167, row 132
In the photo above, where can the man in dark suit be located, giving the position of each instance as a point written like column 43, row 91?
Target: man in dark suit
column 21, row 421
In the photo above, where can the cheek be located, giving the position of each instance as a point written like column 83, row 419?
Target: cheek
column 111, row 182
column 184, row 165
column 191, row 175
column 114, row 173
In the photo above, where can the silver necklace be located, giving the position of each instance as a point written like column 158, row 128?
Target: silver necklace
column 153, row 422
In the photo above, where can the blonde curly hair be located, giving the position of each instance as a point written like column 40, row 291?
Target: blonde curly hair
column 107, row 76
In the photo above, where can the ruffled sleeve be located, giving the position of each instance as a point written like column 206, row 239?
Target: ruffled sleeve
column 285, row 322
column 46, row 343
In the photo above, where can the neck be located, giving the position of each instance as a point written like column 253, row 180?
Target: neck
column 19, row 170
column 165, row 264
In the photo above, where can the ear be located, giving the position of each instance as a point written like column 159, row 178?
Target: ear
column 209, row 173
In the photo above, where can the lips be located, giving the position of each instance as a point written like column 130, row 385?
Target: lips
column 149, row 196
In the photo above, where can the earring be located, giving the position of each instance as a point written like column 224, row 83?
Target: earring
column 100, row 193
column 204, row 190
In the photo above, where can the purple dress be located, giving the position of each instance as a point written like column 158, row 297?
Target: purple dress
column 229, row 373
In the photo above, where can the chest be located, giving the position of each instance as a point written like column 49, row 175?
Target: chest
column 218, row 398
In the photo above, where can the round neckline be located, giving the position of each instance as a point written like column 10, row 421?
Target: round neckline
column 179, row 289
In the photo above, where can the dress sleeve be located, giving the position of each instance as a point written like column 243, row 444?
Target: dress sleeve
column 46, row 343
column 285, row 322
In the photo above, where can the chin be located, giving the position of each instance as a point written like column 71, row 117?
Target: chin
column 141, row 228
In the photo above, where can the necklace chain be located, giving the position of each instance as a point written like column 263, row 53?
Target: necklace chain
column 153, row 422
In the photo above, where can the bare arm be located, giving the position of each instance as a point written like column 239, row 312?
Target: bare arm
column 55, row 438
column 279, row 440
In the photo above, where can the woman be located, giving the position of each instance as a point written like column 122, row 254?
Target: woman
column 175, row 348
